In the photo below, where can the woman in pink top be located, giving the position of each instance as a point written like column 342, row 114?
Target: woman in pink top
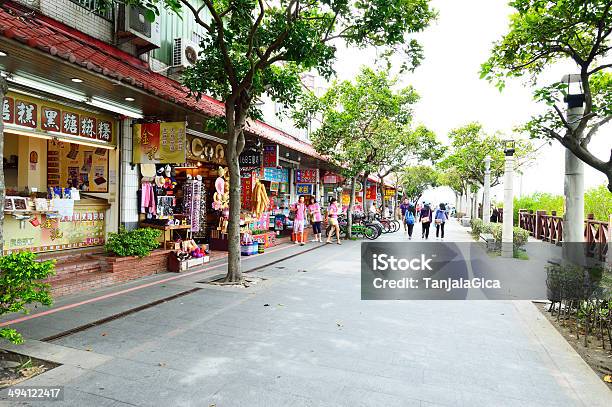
column 332, row 220
column 315, row 211
column 298, row 223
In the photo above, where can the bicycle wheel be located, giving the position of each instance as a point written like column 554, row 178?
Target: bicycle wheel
column 397, row 224
column 394, row 226
column 386, row 226
column 371, row 232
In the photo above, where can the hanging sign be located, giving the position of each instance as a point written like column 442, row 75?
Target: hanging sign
column 250, row 159
column 159, row 143
column 49, row 117
column 275, row 174
column 270, row 155
column 303, row 189
column 306, row 176
column 371, row 192
column 389, row 192
column 330, row 178
column 274, row 186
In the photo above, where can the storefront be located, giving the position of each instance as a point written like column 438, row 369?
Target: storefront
column 60, row 165
column 184, row 182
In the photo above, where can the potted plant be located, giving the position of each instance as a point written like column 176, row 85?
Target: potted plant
column 134, row 252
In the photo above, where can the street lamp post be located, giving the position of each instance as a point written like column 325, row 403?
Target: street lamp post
column 486, row 204
column 573, row 188
column 508, row 225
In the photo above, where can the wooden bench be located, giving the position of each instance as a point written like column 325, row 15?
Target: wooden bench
column 489, row 240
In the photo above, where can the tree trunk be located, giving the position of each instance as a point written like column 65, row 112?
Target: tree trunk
column 3, row 90
column 349, row 211
column 382, row 194
column 364, row 192
column 235, row 120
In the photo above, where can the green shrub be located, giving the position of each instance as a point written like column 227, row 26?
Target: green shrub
column 520, row 236
column 598, row 201
column 20, row 285
column 477, row 226
column 137, row 242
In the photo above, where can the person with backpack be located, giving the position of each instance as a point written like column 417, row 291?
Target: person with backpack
column 425, row 216
column 440, row 219
column 410, row 219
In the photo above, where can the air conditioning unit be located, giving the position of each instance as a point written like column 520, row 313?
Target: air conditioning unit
column 184, row 53
column 134, row 27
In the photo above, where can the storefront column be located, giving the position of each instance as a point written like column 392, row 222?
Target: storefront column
column 317, row 186
column 291, row 185
column 129, row 179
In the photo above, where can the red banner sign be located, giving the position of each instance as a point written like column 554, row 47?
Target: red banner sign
column 371, row 192
column 270, row 156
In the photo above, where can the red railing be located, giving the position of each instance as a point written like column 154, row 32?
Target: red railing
column 549, row 228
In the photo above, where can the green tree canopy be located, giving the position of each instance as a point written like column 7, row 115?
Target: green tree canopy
column 252, row 47
column 416, row 179
column 469, row 147
column 544, row 32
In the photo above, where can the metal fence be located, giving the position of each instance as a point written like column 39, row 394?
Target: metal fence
column 95, row 7
column 549, row 228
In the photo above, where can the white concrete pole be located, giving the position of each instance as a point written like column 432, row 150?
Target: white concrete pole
column 486, row 205
column 573, row 217
column 508, row 225
column 468, row 202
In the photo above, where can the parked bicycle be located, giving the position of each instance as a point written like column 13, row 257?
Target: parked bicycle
column 360, row 227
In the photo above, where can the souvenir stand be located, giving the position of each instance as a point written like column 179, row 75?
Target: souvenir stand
column 166, row 198
column 255, row 197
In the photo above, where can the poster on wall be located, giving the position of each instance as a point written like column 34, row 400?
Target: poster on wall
column 85, row 227
column 77, row 166
column 156, row 143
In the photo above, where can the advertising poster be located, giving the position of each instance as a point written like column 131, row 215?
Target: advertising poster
column 85, row 227
column 156, row 143
column 77, row 166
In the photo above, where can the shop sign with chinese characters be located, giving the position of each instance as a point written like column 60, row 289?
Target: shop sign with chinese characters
column 303, row 189
column 44, row 116
column 389, row 192
column 159, row 143
column 270, row 155
column 275, row 174
column 306, row 176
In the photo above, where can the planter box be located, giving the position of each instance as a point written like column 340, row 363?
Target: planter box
column 156, row 262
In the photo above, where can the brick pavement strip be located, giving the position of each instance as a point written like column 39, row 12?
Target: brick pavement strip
column 314, row 344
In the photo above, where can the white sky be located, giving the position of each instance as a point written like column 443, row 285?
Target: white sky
column 453, row 95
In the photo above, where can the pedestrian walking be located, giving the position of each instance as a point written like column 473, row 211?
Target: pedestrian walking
column 314, row 211
column 410, row 220
column 425, row 216
column 332, row 220
column 403, row 207
column 495, row 215
column 440, row 219
column 298, row 224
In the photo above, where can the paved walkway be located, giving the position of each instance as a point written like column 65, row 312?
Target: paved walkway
column 303, row 337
